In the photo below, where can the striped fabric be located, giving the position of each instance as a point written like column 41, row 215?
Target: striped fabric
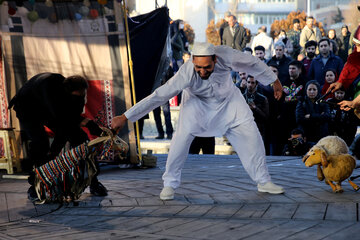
column 66, row 176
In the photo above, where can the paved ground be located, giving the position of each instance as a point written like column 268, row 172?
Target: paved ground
column 217, row 200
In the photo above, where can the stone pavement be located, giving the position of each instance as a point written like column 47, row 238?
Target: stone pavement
column 216, row 200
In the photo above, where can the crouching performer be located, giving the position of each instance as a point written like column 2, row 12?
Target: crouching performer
column 51, row 100
column 211, row 106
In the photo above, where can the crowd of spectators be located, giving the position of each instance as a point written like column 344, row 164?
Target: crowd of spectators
column 306, row 64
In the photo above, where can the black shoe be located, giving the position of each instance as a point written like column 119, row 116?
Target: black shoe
column 160, row 137
column 32, row 196
column 98, row 189
column 169, row 136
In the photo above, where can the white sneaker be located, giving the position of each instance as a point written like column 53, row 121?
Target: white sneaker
column 167, row 193
column 270, row 187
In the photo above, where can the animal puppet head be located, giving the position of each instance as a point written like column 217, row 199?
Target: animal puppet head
column 315, row 156
column 110, row 141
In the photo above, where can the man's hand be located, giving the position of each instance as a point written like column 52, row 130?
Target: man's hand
column 334, row 87
column 278, row 89
column 252, row 105
column 346, row 105
column 243, row 83
column 118, row 122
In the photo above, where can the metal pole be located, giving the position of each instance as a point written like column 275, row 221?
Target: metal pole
column 132, row 77
column 308, row 8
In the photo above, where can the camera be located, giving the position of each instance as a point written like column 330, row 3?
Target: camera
column 297, row 142
column 250, row 100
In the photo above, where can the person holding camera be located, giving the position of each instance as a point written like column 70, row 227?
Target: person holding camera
column 297, row 144
column 258, row 104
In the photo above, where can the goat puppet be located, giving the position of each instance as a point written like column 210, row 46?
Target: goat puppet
column 65, row 178
column 332, row 168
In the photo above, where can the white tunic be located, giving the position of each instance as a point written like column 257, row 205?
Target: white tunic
column 208, row 107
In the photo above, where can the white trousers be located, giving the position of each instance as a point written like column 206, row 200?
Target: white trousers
column 244, row 138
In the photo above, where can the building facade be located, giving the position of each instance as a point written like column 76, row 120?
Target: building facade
column 252, row 13
column 256, row 13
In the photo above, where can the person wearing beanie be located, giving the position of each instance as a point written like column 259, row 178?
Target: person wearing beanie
column 294, row 37
column 211, row 106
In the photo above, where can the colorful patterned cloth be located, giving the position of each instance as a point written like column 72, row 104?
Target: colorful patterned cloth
column 68, row 175
column 291, row 92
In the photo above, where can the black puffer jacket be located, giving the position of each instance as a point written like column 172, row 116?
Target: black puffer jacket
column 316, row 126
column 44, row 98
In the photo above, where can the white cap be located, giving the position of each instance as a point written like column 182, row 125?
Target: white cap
column 203, row 49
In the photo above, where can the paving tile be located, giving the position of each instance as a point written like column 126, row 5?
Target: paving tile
column 341, row 212
column 223, row 211
column 217, row 200
column 252, row 210
column 279, row 211
column 194, row 211
column 322, row 230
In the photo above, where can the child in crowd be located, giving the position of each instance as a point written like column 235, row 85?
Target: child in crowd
column 342, row 123
column 313, row 118
column 330, row 77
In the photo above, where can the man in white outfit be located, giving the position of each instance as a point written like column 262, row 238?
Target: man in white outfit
column 211, row 105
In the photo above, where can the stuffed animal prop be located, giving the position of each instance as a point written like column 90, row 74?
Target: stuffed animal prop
column 335, row 168
column 67, row 176
column 332, row 145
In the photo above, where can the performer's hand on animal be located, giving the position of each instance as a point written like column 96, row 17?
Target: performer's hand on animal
column 118, row 122
column 278, row 89
column 334, row 87
column 346, row 105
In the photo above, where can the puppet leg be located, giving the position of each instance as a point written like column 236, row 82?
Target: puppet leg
column 354, row 185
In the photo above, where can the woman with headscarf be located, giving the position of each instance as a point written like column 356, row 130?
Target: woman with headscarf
column 310, row 116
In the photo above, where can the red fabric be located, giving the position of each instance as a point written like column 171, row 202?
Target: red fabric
column 351, row 70
column 307, row 63
column 323, row 90
column 174, row 102
column 4, row 112
column 99, row 106
column 49, row 132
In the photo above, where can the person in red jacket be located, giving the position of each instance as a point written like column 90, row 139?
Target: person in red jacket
column 349, row 73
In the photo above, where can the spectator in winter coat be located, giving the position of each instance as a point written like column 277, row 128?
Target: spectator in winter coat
column 262, row 39
column 294, row 37
column 234, row 35
column 281, row 61
column 311, row 117
column 309, row 32
column 325, row 60
column 310, row 49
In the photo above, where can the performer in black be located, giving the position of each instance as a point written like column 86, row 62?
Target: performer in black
column 51, row 100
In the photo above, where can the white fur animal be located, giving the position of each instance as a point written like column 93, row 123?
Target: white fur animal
column 332, row 145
